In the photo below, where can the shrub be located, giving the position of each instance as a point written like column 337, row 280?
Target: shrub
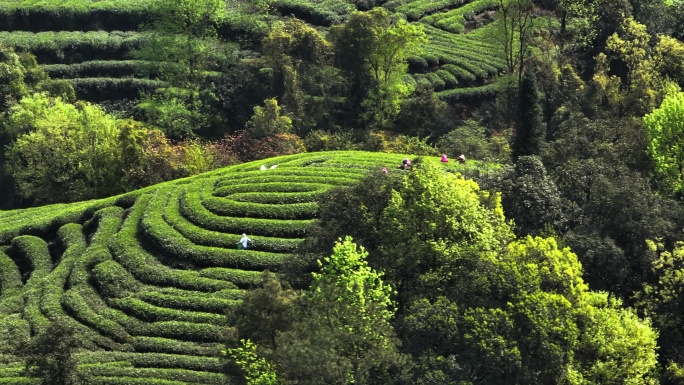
column 319, row 140
column 113, row 280
column 390, row 142
column 247, row 148
column 470, row 140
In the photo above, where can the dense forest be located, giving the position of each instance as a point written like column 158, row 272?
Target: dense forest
column 551, row 256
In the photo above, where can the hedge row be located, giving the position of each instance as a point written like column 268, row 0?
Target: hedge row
column 459, row 73
column 169, row 241
column 19, row 381
column 415, row 10
column 192, row 208
column 96, row 69
column 228, row 207
column 147, row 312
column 288, row 175
column 291, row 186
column 81, row 300
column 35, row 250
column 132, row 381
column 52, row 287
column 192, row 301
column 472, row 94
column 74, row 46
column 154, row 360
column 453, row 21
column 241, row 278
column 145, row 267
column 113, row 280
column 100, row 89
column 473, row 51
column 165, row 345
column 185, row 331
column 10, row 286
column 316, row 12
column 151, row 374
column 277, row 197
column 43, row 221
column 79, row 309
column 35, row 16
column 108, row 220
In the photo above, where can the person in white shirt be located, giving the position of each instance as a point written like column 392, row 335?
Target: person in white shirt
column 244, row 242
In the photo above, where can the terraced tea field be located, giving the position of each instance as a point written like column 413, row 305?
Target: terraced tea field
column 90, row 42
column 146, row 277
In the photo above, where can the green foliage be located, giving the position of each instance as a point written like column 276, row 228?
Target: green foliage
column 264, row 312
column 425, row 115
column 11, row 78
column 183, row 39
column 662, row 302
column 531, row 199
column 50, row 355
column 471, row 140
column 343, row 333
column 299, row 55
column 384, row 141
column 529, row 130
column 666, row 143
column 65, row 152
column 436, row 215
column 515, row 26
column 256, row 370
column 319, row 140
column 345, row 278
column 373, row 53
column 268, row 121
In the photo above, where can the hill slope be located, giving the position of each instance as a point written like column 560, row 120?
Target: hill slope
column 146, row 277
column 90, row 42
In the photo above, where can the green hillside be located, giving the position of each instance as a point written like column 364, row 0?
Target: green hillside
column 146, row 277
column 90, row 43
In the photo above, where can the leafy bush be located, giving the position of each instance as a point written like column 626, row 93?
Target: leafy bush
column 401, row 144
column 113, row 281
column 470, row 140
column 319, row 140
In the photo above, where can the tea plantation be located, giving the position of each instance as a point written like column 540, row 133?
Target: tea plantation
column 90, row 43
column 146, row 277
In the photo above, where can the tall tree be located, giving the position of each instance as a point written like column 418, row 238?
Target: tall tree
column 665, row 129
column 529, row 131
column 298, row 55
column 372, row 51
column 354, row 303
column 516, row 25
column 663, row 302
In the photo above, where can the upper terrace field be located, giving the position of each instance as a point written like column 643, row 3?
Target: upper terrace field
column 90, row 42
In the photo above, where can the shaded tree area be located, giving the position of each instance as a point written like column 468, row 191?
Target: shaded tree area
column 474, row 303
